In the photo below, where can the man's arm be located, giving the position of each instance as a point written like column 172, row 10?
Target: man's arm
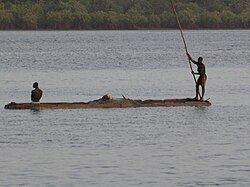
column 190, row 58
column 32, row 95
column 195, row 73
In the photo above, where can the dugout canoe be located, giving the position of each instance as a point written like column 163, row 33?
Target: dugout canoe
column 114, row 103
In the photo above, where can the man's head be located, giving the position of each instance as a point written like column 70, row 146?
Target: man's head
column 200, row 59
column 35, row 85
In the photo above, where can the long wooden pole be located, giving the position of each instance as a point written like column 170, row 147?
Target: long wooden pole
column 185, row 45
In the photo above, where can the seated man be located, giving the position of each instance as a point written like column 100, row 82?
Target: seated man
column 36, row 94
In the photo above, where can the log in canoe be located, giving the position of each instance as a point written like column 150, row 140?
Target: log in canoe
column 113, row 103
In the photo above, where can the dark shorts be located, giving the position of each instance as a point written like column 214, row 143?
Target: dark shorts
column 202, row 80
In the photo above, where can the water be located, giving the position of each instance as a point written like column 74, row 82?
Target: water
column 176, row 146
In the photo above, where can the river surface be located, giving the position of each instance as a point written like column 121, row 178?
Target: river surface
column 148, row 147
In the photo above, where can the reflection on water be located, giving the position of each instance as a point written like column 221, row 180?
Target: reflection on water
column 175, row 146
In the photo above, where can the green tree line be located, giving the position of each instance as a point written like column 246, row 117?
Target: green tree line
column 123, row 14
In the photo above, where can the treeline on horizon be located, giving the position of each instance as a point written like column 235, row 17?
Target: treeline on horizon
column 123, row 14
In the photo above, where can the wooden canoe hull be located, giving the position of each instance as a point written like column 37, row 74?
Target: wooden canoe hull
column 121, row 103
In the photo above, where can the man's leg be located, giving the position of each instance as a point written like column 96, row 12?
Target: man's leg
column 203, row 92
column 203, row 83
column 197, row 91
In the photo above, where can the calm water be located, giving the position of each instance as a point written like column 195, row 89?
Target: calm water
column 176, row 146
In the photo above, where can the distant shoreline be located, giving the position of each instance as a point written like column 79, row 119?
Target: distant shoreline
column 144, row 29
column 124, row 15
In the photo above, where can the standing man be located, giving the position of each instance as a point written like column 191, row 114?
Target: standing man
column 202, row 78
column 36, row 94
